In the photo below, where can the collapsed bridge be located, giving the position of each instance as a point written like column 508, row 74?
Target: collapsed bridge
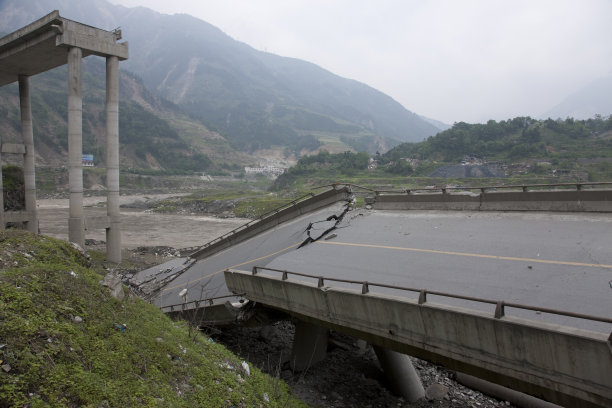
column 516, row 290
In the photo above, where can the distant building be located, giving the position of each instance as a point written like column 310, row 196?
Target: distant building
column 88, row 160
column 266, row 170
column 472, row 160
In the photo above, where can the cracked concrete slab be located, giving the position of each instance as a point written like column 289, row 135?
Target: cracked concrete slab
column 204, row 277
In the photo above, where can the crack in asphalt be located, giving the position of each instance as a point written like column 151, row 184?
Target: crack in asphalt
column 334, row 217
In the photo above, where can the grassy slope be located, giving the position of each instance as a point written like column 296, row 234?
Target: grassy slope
column 56, row 361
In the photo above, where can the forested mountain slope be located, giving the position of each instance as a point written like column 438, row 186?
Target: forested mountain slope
column 154, row 133
column 254, row 99
column 515, row 139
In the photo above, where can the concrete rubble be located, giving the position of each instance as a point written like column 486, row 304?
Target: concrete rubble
column 112, row 281
column 350, row 376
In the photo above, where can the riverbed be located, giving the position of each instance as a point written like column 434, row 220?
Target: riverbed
column 139, row 227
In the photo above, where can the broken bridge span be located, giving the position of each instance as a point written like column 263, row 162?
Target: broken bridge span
column 546, row 254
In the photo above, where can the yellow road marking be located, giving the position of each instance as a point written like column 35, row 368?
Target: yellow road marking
column 231, row 267
column 435, row 251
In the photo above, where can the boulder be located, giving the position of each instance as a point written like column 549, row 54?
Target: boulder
column 112, row 281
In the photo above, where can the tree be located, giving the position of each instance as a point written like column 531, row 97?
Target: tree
column 401, row 167
column 531, row 134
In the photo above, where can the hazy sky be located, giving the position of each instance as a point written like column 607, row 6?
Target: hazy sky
column 451, row 60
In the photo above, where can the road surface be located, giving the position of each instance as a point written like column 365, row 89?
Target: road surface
column 560, row 261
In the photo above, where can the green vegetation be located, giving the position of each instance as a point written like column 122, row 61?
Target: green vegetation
column 241, row 203
column 259, row 100
column 238, row 100
column 151, row 136
column 532, row 151
column 322, row 165
column 513, row 140
column 253, row 207
column 64, row 341
column 154, row 133
column 13, row 188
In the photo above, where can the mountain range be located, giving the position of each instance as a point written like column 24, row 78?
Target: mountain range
column 193, row 98
column 594, row 99
column 235, row 101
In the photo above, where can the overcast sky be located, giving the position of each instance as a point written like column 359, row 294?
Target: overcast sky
column 450, row 60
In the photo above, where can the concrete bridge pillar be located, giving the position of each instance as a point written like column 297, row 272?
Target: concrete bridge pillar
column 76, row 224
column 47, row 43
column 401, row 373
column 27, row 136
column 113, row 232
column 2, row 224
column 309, row 345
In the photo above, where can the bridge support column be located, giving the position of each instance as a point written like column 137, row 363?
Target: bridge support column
column 309, row 345
column 27, row 135
column 401, row 373
column 113, row 232
column 2, row 223
column 76, row 220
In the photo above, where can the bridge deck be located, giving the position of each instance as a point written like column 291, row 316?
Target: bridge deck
column 553, row 260
column 204, row 279
column 559, row 260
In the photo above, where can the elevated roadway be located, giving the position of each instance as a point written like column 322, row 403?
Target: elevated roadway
column 559, row 261
column 195, row 282
column 543, row 259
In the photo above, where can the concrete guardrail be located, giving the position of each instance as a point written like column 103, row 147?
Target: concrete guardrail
column 556, row 200
column 567, row 366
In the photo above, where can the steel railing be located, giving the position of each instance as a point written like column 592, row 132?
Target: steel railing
column 255, row 221
column 196, row 303
column 259, row 219
column 334, row 185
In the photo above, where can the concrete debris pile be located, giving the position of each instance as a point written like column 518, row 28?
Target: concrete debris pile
column 148, row 285
column 112, row 281
column 350, row 375
column 159, row 251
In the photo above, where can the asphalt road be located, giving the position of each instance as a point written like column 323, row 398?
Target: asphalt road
column 205, row 278
column 556, row 261
column 560, row 261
